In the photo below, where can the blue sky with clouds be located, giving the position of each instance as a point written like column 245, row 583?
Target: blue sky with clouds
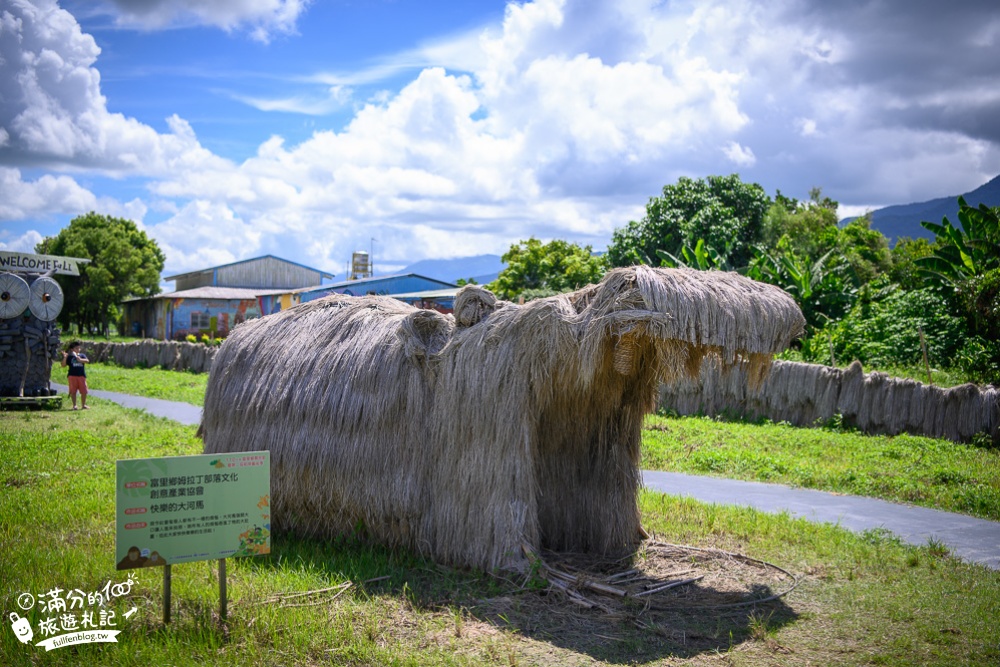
column 236, row 128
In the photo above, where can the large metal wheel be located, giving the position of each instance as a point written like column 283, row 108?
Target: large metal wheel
column 46, row 299
column 14, row 295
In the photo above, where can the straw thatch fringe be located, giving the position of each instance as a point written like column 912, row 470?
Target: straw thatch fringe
column 169, row 355
column 807, row 394
column 467, row 437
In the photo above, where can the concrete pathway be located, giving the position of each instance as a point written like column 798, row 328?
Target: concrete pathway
column 976, row 540
column 185, row 413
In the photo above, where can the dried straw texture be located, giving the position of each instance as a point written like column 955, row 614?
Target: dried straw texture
column 467, row 437
column 807, row 394
column 169, row 355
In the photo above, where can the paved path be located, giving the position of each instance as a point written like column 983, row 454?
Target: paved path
column 976, row 540
column 184, row 413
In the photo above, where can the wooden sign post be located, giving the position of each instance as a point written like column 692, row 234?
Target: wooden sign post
column 181, row 509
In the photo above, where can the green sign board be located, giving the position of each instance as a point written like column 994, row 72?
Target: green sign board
column 179, row 509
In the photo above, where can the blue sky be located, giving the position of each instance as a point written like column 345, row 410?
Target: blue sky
column 238, row 128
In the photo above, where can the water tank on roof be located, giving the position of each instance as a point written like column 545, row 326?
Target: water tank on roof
column 361, row 265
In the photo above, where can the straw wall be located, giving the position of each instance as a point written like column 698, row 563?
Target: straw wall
column 170, row 355
column 806, row 394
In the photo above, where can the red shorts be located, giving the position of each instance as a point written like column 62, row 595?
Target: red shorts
column 77, row 383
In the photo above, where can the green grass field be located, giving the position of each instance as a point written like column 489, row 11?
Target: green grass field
column 862, row 600
column 150, row 382
column 924, row 471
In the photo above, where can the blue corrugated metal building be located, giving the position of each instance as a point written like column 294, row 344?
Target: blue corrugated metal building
column 382, row 285
column 214, row 300
column 441, row 300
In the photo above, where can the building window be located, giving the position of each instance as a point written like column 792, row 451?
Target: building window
column 200, row 321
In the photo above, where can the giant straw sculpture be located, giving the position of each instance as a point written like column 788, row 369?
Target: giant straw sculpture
column 470, row 437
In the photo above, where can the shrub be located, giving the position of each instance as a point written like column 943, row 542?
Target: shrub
column 191, row 338
column 205, row 339
column 979, row 358
column 979, row 299
column 885, row 330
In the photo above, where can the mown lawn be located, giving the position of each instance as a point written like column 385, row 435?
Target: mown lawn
column 862, row 600
column 150, row 382
column 924, row 471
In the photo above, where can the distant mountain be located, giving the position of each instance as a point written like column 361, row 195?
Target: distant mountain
column 904, row 219
column 482, row 268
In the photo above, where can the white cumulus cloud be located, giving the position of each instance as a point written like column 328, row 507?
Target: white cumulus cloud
column 20, row 199
column 558, row 122
column 553, row 118
column 261, row 18
column 53, row 111
column 24, row 243
column 740, row 155
column 190, row 237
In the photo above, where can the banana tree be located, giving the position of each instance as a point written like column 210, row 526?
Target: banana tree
column 966, row 251
column 822, row 289
column 702, row 257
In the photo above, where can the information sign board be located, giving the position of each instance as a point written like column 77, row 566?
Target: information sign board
column 26, row 262
column 179, row 509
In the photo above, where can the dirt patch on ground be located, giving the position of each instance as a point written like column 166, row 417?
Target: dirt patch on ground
column 669, row 600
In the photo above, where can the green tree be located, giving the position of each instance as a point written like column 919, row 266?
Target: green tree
column 886, row 329
column 980, row 300
column 904, row 255
column 722, row 211
column 966, row 262
column 866, row 250
column 810, row 227
column 535, row 269
column 822, row 288
column 790, row 204
column 124, row 263
column 966, row 251
column 701, row 257
column 812, row 231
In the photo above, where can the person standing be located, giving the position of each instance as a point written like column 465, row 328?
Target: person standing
column 75, row 359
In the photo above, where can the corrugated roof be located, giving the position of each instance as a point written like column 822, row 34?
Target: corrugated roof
column 244, row 261
column 226, row 293
column 362, row 281
column 429, row 294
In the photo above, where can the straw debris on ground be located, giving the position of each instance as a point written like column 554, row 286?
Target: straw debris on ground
column 668, row 577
